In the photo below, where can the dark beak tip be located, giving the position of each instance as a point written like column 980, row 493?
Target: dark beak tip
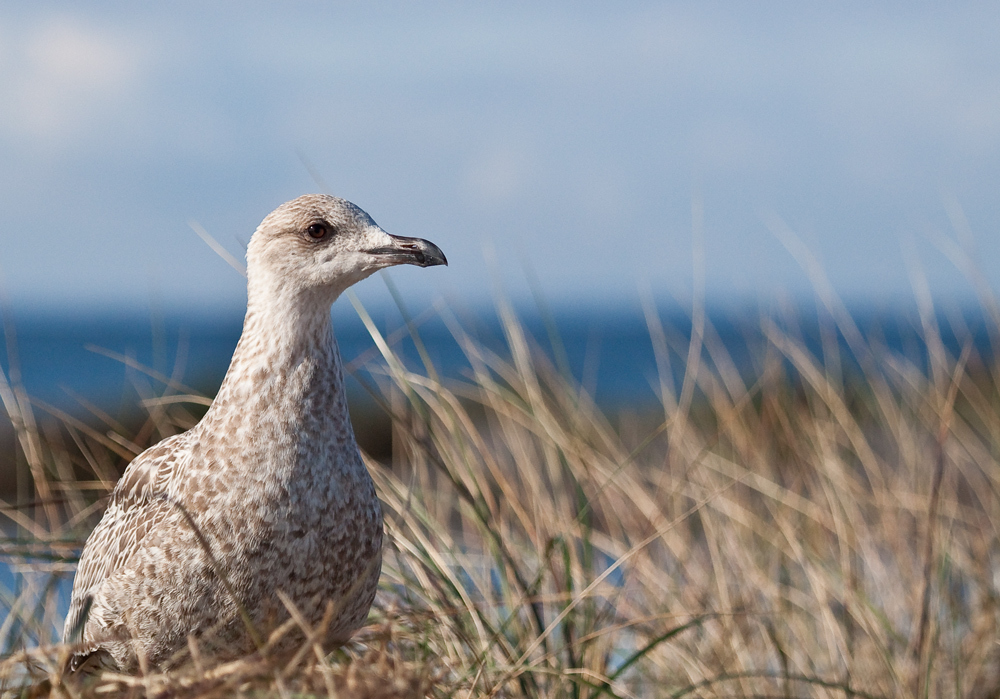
column 414, row 251
column 432, row 256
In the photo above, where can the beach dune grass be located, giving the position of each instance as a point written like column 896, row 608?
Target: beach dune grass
column 818, row 525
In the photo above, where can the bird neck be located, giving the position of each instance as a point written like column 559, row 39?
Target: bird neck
column 286, row 372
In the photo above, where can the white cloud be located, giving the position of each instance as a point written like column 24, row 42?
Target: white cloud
column 62, row 75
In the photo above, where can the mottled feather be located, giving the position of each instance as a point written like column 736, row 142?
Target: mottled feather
column 268, row 492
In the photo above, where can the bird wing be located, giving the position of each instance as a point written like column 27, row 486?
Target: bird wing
column 137, row 505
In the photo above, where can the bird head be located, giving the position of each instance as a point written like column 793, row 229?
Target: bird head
column 318, row 246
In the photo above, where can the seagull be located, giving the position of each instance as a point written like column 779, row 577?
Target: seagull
column 213, row 533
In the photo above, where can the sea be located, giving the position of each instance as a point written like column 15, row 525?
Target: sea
column 112, row 359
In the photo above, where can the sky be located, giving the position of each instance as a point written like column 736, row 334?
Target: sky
column 591, row 151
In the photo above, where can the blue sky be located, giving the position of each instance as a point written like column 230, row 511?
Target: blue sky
column 568, row 138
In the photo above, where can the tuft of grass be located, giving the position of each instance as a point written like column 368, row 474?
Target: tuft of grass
column 815, row 525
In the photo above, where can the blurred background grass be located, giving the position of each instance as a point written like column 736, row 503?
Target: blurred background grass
column 818, row 522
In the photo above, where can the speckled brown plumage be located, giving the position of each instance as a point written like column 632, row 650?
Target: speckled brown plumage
column 271, row 477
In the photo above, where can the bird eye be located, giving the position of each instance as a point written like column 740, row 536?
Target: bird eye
column 318, row 231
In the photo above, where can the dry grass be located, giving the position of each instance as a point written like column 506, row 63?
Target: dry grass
column 813, row 530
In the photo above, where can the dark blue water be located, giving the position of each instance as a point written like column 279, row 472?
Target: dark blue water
column 610, row 351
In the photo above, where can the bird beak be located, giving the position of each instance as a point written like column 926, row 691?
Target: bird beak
column 410, row 251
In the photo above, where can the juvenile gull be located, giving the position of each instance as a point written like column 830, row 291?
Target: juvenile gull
column 270, row 481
